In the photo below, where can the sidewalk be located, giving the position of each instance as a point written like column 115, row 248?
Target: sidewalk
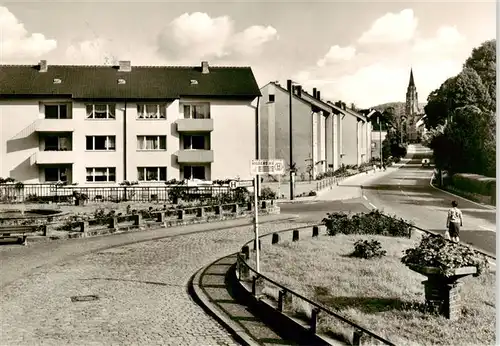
column 348, row 188
column 213, row 287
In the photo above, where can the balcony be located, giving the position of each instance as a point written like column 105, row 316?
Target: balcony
column 195, row 125
column 55, row 125
column 52, row 157
column 195, row 156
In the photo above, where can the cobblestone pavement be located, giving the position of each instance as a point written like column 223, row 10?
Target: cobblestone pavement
column 142, row 290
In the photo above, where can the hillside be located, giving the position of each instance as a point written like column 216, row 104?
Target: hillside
column 399, row 107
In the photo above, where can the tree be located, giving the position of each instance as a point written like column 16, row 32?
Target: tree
column 463, row 90
column 467, row 144
column 483, row 61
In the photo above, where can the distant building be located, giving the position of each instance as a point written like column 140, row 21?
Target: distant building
column 106, row 124
column 325, row 135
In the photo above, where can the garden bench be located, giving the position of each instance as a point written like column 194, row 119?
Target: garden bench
column 20, row 232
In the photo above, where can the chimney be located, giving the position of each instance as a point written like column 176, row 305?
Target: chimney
column 314, row 92
column 343, row 106
column 318, row 93
column 299, row 90
column 124, row 66
column 204, row 67
column 43, row 66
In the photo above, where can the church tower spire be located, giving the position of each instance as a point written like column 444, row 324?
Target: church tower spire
column 411, row 109
column 412, row 82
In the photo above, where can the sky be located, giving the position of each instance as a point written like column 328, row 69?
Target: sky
column 359, row 52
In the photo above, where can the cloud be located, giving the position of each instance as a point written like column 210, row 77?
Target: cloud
column 446, row 37
column 17, row 43
column 380, row 73
column 90, row 52
column 337, row 53
column 198, row 36
column 391, row 28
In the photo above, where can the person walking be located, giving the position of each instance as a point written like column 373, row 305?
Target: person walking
column 454, row 222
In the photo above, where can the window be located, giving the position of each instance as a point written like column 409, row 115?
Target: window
column 101, row 111
column 194, row 142
column 197, row 111
column 194, row 172
column 101, row 174
column 151, row 142
column 151, row 111
column 56, row 111
column 55, row 174
column 101, row 142
column 151, row 173
column 57, row 143
column 271, row 98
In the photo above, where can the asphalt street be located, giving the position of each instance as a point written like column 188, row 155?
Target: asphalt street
column 407, row 193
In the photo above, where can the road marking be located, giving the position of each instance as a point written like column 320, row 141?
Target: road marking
column 365, row 197
column 371, row 205
column 487, row 229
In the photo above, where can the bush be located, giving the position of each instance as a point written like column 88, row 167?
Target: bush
column 374, row 222
column 474, row 183
column 368, row 249
column 435, row 251
column 267, row 193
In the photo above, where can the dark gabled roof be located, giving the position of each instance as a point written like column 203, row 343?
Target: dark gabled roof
column 142, row 82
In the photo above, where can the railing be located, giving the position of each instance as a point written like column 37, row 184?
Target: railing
column 135, row 193
column 245, row 273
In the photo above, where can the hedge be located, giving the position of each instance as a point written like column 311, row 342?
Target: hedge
column 474, row 183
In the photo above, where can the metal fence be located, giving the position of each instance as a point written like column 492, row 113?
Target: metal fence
column 287, row 300
column 10, row 193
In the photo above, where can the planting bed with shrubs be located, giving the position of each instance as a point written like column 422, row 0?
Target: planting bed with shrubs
column 359, row 269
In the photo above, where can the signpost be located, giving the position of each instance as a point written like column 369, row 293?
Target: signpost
column 259, row 167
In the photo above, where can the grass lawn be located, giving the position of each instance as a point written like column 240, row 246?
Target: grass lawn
column 381, row 295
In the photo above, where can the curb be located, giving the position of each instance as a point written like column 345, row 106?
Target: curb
column 206, row 304
column 457, row 196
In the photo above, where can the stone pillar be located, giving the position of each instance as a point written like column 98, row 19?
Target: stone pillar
column 236, row 209
column 218, row 210
column 276, row 238
column 200, row 212
column 137, row 219
column 443, row 296
column 83, row 225
column 315, row 231
column 180, row 214
column 245, row 250
column 160, row 217
column 113, row 222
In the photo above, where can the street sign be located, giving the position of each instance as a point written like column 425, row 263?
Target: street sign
column 258, row 167
column 233, row 184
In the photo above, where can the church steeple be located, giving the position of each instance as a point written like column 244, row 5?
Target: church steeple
column 412, row 82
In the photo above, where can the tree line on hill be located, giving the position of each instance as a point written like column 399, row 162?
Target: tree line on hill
column 461, row 116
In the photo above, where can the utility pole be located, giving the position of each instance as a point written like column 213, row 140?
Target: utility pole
column 380, row 139
column 289, row 87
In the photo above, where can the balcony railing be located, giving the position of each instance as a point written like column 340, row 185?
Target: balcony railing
column 195, row 125
column 52, row 157
column 195, row 156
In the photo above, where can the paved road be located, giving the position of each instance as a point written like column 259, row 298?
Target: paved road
column 142, row 290
column 407, row 192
